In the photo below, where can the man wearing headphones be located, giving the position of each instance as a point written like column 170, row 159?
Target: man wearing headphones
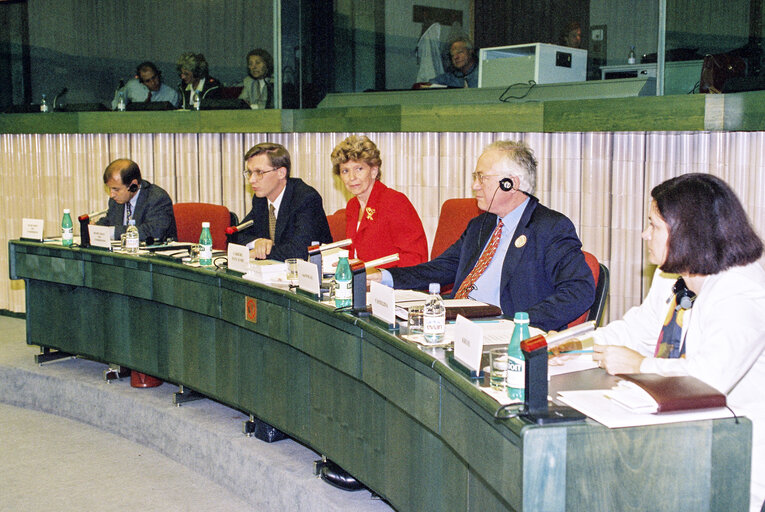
column 464, row 71
column 131, row 197
column 147, row 86
column 518, row 255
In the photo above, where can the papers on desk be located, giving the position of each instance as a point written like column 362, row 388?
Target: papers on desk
column 329, row 259
column 267, row 272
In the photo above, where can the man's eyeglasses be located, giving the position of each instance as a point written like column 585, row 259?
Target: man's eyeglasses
column 482, row 177
column 257, row 172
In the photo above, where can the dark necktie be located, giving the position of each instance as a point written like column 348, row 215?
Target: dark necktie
column 148, row 98
column 483, row 262
column 271, row 221
column 129, row 211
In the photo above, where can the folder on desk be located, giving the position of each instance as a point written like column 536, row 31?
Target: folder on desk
column 680, row 393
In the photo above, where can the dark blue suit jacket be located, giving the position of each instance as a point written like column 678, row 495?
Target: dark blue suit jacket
column 153, row 214
column 547, row 276
column 301, row 220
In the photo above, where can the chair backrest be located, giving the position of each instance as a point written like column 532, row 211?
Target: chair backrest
column 230, row 93
column 454, row 218
column 189, row 218
column 337, row 224
column 601, row 276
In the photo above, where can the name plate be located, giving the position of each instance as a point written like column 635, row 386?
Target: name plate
column 32, row 229
column 468, row 343
column 383, row 300
column 101, row 236
column 238, row 258
column 308, row 277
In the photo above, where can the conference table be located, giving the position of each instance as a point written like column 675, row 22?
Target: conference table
column 398, row 418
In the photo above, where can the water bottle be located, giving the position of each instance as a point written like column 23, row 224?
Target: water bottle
column 44, row 104
column 205, row 246
column 67, row 231
column 516, row 364
column 343, row 283
column 196, row 100
column 434, row 315
column 631, row 55
column 121, row 102
column 131, row 238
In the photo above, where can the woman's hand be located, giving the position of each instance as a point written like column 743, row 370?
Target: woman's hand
column 617, row 359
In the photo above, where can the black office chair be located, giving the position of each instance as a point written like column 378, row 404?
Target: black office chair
column 601, row 294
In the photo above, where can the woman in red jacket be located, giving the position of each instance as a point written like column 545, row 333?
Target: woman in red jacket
column 379, row 220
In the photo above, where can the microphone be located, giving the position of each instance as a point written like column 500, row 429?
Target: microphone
column 234, row 229
column 88, row 216
column 57, row 96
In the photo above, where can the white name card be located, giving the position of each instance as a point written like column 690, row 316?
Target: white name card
column 101, row 236
column 383, row 302
column 308, row 277
column 238, row 258
column 468, row 343
column 32, row 229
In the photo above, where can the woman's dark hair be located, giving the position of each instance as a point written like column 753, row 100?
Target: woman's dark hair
column 708, row 228
column 263, row 54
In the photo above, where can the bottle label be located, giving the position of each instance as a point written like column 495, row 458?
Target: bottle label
column 343, row 290
column 131, row 242
column 205, row 252
column 433, row 324
column 516, row 373
column 67, row 235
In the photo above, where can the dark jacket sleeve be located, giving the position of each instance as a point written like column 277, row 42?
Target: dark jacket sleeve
column 306, row 222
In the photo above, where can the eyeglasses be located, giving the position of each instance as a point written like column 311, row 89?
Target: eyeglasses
column 482, row 177
column 257, row 172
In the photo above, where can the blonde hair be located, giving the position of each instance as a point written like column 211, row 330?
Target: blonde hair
column 357, row 148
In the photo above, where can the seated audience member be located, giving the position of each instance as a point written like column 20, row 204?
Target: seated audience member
column 379, row 220
column 464, row 69
column 704, row 315
column 571, row 35
column 287, row 213
column 147, row 86
column 193, row 70
column 518, row 255
column 258, row 88
column 131, row 197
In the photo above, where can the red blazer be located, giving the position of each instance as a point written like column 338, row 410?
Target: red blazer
column 390, row 224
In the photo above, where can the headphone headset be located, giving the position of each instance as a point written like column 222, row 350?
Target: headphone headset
column 133, row 187
column 506, row 184
column 683, row 296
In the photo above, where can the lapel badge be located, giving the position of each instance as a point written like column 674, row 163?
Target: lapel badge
column 370, row 213
column 520, row 241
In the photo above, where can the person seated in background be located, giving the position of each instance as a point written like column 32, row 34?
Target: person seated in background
column 464, row 68
column 287, row 214
column 518, row 255
column 379, row 220
column 704, row 315
column 146, row 86
column 258, row 88
column 571, row 35
column 194, row 72
column 131, row 197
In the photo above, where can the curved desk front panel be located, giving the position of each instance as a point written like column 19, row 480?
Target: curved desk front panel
column 395, row 417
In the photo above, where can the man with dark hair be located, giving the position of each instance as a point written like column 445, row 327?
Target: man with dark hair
column 147, row 86
column 131, row 197
column 287, row 214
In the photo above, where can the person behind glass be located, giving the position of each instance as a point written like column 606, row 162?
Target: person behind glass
column 258, row 88
column 287, row 213
column 518, row 255
column 464, row 65
column 147, row 86
column 571, row 35
column 194, row 72
column 131, row 197
column 380, row 221
column 704, row 314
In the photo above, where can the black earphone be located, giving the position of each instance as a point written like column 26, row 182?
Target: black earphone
column 506, row 184
column 683, row 296
column 133, row 187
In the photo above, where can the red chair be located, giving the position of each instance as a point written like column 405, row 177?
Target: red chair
column 454, row 218
column 189, row 218
column 601, row 276
column 337, row 225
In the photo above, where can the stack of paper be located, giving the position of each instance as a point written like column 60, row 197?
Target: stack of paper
column 330, row 258
column 267, row 271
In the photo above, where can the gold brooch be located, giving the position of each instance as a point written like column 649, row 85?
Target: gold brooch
column 520, row 241
column 370, row 212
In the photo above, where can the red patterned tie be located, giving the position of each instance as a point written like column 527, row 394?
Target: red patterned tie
column 468, row 284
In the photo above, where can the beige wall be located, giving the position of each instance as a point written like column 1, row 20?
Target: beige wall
column 600, row 180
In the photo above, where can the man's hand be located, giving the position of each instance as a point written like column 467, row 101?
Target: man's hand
column 374, row 274
column 261, row 248
column 617, row 359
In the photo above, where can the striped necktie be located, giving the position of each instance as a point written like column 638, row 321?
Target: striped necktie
column 468, row 284
column 129, row 211
column 271, row 221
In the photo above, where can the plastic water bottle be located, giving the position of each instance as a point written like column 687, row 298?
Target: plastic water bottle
column 44, row 107
column 205, row 246
column 631, row 55
column 67, row 231
column 516, row 364
column 131, row 238
column 196, row 101
column 343, row 284
column 434, row 315
column 121, row 102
